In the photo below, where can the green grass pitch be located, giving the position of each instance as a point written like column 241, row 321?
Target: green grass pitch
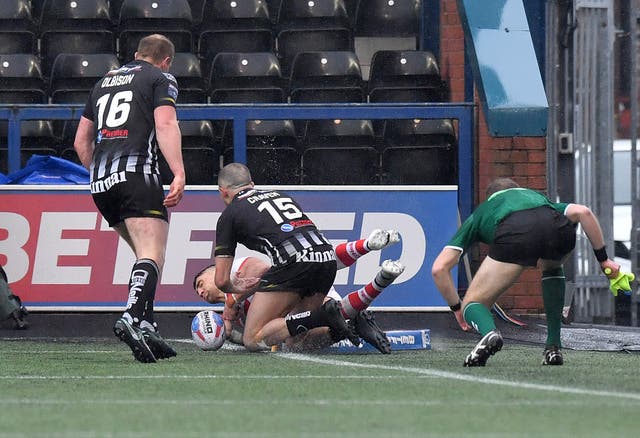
column 94, row 388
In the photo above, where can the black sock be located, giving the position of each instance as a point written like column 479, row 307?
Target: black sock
column 305, row 321
column 142, row 290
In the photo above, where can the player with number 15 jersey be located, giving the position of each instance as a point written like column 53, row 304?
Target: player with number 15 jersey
column 273, row 223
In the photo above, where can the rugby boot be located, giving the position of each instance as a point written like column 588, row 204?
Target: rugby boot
column 489, row 345
column 157, row 345
column 552, row 356
column 133, row 337
column 379, row 239
column 367, row 328
column 338, row 326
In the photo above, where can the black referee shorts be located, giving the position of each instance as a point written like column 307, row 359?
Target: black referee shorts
column 525, row 236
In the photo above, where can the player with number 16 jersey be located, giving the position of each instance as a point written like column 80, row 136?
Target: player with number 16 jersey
column 130, row 114
column 121, row 106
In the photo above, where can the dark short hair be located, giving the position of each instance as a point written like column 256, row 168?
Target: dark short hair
column 202, row 271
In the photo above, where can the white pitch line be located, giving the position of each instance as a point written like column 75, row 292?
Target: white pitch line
column 462, row 377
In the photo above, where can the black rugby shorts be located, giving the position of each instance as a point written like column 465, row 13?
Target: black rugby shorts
column 305, row 278
column 140, row 195
column 525, row 236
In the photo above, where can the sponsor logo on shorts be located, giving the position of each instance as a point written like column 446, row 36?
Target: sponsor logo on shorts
column 286, row 227
column 104, row 184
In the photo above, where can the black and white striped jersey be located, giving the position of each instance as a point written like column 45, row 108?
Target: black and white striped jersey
column 121, row 106
column 272, row 223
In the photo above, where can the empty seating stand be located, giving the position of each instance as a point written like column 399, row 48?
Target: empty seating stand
column 406, row 76
column 36, row 137
column 74, row 27
column 306, row 26
column 17, row 27
column 326, row 77
column 21, row 79
column 340, row 152
column 188, row 72
column 420, row 152
column 200, row 154
column 385, row 25
column 246, row 78
column 234, row 26
column 272, row 152
column 139, row 18
column 74, row 74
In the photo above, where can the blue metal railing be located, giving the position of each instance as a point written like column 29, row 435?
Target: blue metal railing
column 240, row 114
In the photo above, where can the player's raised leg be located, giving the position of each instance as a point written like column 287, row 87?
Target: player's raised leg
column 348, row 253
column 360, row 299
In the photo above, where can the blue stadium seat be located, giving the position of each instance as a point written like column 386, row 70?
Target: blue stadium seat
column 420, row 152
column 234, row 26
column 307, row 26
column 74, row 27
column 406, row 76
column 139, row 18
column 340, row 152
column 21, row 79
column 188, row 72
column 17, row 27
column 272, row 151
column 246, row 78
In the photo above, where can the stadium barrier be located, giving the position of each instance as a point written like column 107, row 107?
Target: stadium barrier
column 58, row 252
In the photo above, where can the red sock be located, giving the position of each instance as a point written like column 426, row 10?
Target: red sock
column 359, row 300
column 348, row 253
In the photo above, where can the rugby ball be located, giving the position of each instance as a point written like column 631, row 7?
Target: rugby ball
column 207, row 330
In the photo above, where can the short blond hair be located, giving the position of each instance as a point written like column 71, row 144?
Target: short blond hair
column 156, row 47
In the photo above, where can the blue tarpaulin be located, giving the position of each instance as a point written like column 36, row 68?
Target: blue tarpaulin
column 44, row 169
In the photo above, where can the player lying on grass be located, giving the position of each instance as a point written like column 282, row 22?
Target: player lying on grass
column 353, row 306
column 523, row 228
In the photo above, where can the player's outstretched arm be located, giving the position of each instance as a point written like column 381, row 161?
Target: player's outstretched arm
column 441, row 272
